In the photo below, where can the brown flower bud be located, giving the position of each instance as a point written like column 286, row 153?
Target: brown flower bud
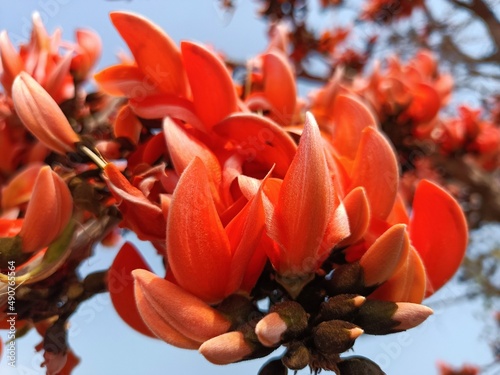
column 335, row 336
column 273, row 367
column 384, row 317
column 349, row 279
column 286, row 320
column 342, row 306
column 297, row 356
column 359, row 365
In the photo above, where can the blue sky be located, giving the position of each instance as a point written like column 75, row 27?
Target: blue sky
column 107, row 345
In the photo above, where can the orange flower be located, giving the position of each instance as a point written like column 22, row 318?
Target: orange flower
column 205, row 258
column 306, row 219
column 41, row 115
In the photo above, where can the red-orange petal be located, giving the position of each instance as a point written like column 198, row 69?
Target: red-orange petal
column 358, row 212
column 385, row 255
column 408, row 284
column 135, row 207
column 183, row 147
column 121, row 286
column 155, row 53
column 376, row 169
column 198, row 249
column 438, row 231
column 259, row 140
column 186, row 313
column 279, row 85
column 214, row 95
column 11, row 61
column 350, row 116
column 305, row 205
column 41, row 115
column 157, row 322
column 19, row 189
column 127, row 125
column 52, row 199
column 124, row 80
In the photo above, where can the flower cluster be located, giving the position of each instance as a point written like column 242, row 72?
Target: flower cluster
column 249, row 193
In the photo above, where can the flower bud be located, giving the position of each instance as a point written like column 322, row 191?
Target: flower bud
column 349, row 279
column 286, row 321
column 273, row 367
column 342, row 306
column 359, row 365
column 384, row 317
column 227, row 348
column 297, row 356
column 41, row 115
column 335, row 336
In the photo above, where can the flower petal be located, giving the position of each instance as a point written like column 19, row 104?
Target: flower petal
column 41, row 115
column 123, row 80
column 214, row 95
column 376, row 169
column 155, row 53
column 258, row 140
column 304, row 206
column 438, row 230
column 198, row 249
column 121, row 286
column 186, row 313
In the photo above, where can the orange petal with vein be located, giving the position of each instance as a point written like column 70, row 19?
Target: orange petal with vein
column 305, row 204
column 408, row 284
column 385, row 255
column 186, row 313
column 279, row 85
column 155, row 53
column 198, row 249
column 41, row 115
column 158, row 324
column 121, row 286
column 438, row 231
column 376, row 169
column 52, row 198
column 358, row 212
column 20, row 188
column 213, row 91
column 350, row 117
column 123, row 80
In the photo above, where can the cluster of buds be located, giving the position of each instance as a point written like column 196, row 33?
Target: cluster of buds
column 248, row 193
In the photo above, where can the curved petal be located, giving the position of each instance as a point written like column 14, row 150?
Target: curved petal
column 376, row 169
column 214, row 95
column 408, row 284
column 259, row 140
column 121, row 286
column 158, row 324
column 41, row 115
column 183, row 147
column 11, row 61
column 305, row 205
column 20, row 188
column 279, row 85
column 198, row 249
column 425, row 103
column 350, row 116
column 123, row 80
column 155, row 53
column 358, row 212
column 127, row 125
column 438, row 231
column 187, row 314
column 52, row 199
